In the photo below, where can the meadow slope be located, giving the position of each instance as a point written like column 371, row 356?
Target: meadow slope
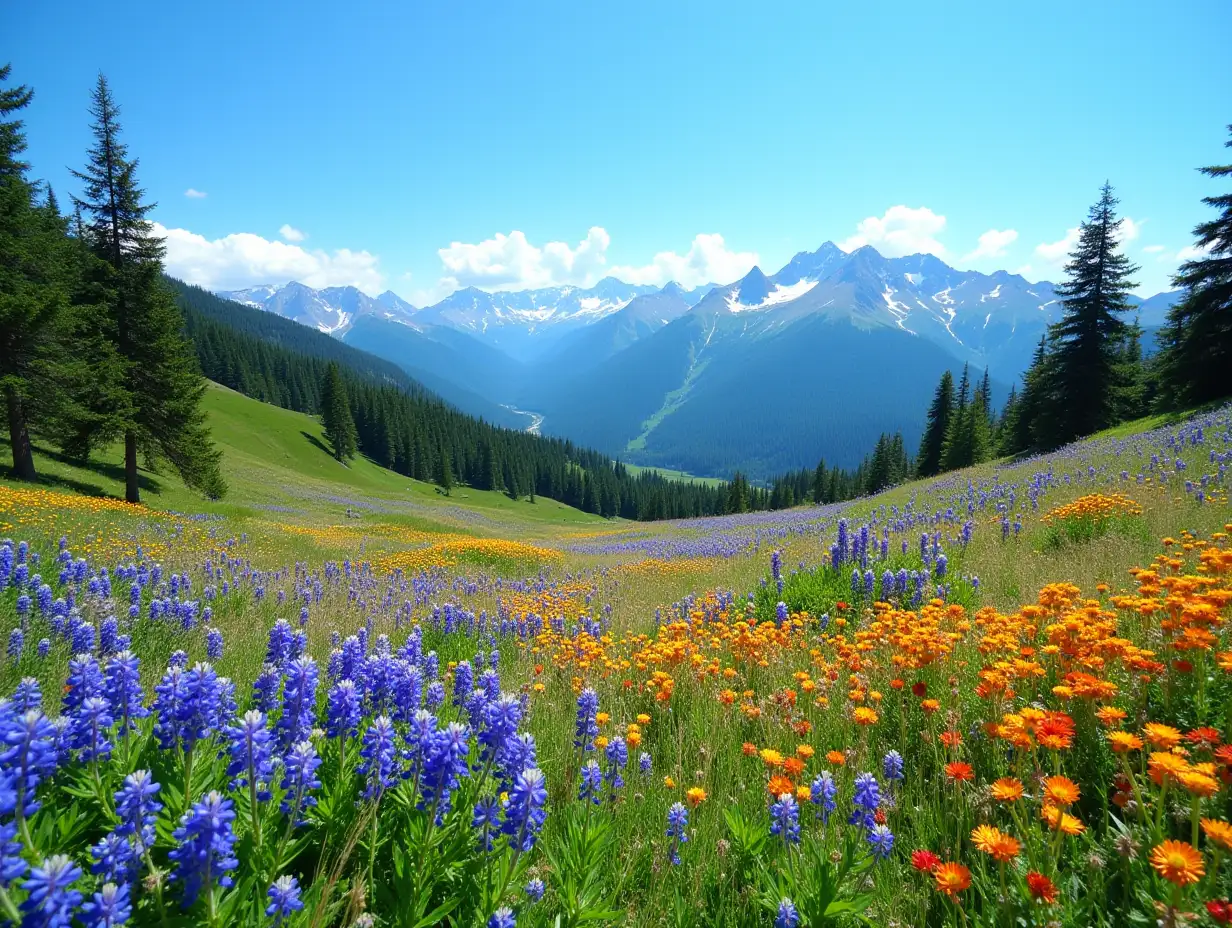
column 1022, row 669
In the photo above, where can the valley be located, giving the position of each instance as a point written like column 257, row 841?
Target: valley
column 647, row 374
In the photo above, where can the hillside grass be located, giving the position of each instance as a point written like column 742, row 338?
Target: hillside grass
column 484, row 553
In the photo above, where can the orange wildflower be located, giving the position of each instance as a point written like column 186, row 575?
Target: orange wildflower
column 1177, row 862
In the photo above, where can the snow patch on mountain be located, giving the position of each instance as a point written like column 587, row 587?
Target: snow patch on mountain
column 780, row 294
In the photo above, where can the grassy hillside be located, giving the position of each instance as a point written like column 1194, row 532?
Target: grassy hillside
column 1002, row 611
column 273, row 457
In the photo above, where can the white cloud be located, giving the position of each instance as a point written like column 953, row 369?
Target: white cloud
column 900, row 232
column 1057, row 253
column 195, row 194
column 1024, row 271
column 244, row 260
column 1193, row 252
column 1129, row 229
column 510, row 262
column 291, row 234
column 708, row 260
column 993, row 244
column 1154, row 249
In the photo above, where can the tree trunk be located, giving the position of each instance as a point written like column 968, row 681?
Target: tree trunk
column 19, row 438
column 132, row 492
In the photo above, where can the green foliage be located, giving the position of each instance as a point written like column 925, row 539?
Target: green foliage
column 932, row 444
column 156, row 399
column 336, row 415
column 823, row 891
column 1090, row 371
column 1197, row 340
column 1079, row 530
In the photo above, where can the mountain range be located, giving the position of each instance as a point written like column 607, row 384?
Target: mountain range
column 762, row 375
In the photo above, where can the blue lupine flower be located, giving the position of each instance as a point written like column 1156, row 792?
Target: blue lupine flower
column 617, row 753
column 89, row 729
column 342, row 713
column 51, row 899
column 299, row 780
column 17, row 641
column 526, row 809
column 535, row 890
column 500, row 723
column 281, row 645
column 587, row 729
column 265, row 689
column 30, row 755
column 85, row 679
column 486, row 819
column 110, row 907
column 251, row 753
column 788, row 916
column 502, row 918
column 27, row 695
column 123, row 681
column 213, row 644
column 463, row 682
column 284, row 899
column 780, row 613
column 108, row 635
column 591, row 782
column 434, row 695
column 44, row 647
column 518, row 753
column 115, row 859
column 785, row 819
column 645, row 763
column 299, row 700
column 822, row 791
column 882, row 840
column 138, row 808
column 444, row 764
column 677, row 822
column 204, row 854
column 892, row 766
column 867, row 799
column 379, row 765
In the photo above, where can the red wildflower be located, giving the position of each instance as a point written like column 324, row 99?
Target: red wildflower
column 924, row 861
column 1041, row 888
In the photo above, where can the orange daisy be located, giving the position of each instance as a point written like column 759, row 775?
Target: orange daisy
column 952, row 879
column 1177, row 862
column 1161, row 737
column 1218, row 831
column 1061, row 791
column 1122, row 742
column 1007, row 789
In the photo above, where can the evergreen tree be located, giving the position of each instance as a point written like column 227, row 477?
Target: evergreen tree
column 1017, row 435
column 1197, row 340
column 1087, row 377
column 940, row 413
column 819, row 483
column 29, row 300
column 444, row 469
column 336, row 415
column 158, row 404
column 955, row 452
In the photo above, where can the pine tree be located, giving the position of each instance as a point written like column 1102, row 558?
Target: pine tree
column 1197, row 340
column 819, row 482
column 444, row 469
column 1017, row 435
column 29, row 301
column 955, row 451
column 158, row 405
column 336, row 415
column 1087, row 377
column 940, row 413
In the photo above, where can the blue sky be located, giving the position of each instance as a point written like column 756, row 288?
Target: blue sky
column 421, row 147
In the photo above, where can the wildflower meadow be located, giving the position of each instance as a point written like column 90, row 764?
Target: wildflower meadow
column 1002, row 697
